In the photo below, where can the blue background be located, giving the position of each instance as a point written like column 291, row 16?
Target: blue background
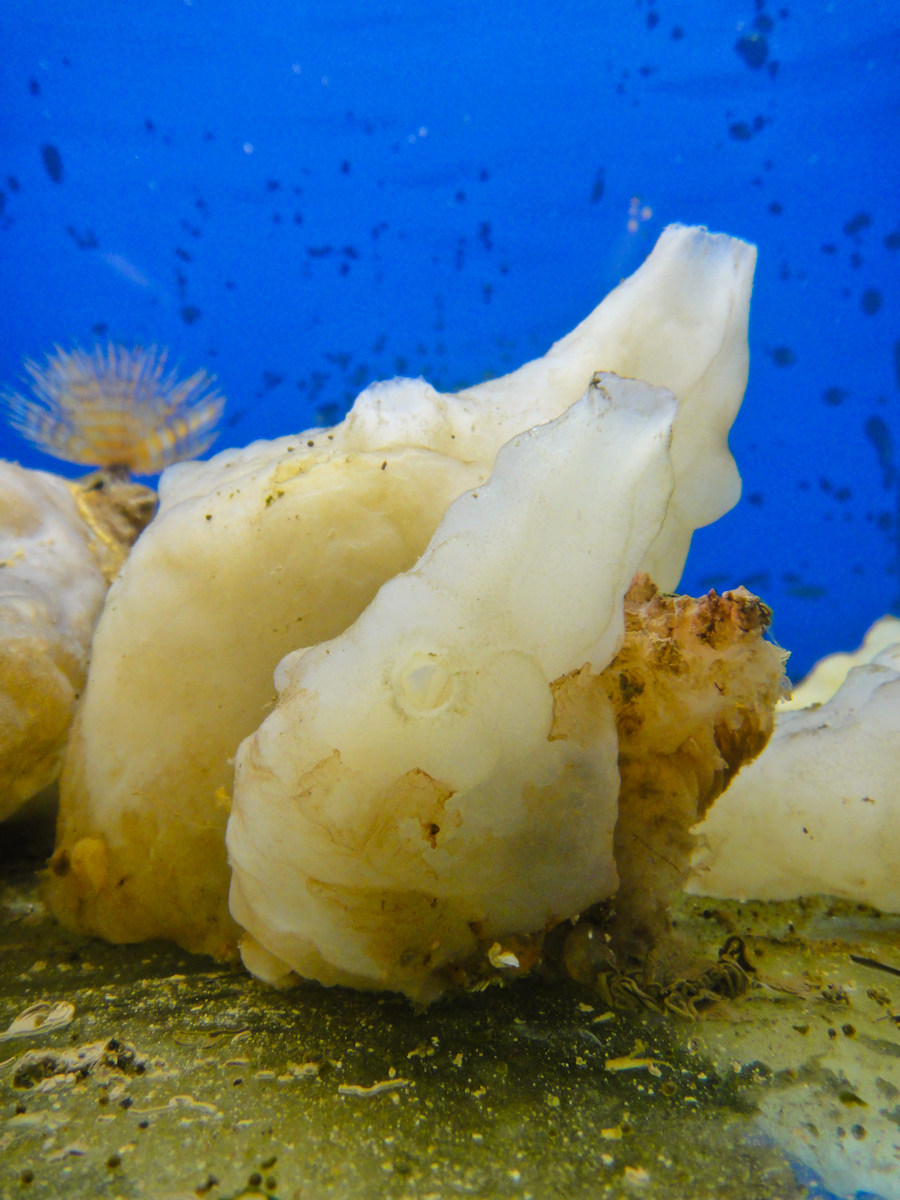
column 306, row 197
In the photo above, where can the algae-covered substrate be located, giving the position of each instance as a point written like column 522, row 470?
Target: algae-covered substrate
column 177, row 1077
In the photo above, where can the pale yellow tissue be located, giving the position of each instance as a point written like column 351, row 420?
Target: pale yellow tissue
column 90, row 863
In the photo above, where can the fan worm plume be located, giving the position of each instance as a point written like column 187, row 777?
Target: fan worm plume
column 117, row 409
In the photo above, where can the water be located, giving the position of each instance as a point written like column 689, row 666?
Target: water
column 303, row 202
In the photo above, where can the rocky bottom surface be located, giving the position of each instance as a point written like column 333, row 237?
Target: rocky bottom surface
column 141, row 1071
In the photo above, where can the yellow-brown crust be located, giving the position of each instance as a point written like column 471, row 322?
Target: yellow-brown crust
column 116, row 511
column 693, row 689
column 118, row 887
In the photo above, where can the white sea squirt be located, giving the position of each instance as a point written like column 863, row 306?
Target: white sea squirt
column 817, row 812
column 830, row 672
column 60, row 543
column 51, row 592
column 404, row 793
column 679, row 322
column 281, row 545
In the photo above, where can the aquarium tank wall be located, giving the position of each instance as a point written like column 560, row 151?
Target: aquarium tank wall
column 303, row 201
column 402, row 792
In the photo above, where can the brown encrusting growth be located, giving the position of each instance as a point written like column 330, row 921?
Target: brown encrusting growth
column 693, row 690
column 116, row 511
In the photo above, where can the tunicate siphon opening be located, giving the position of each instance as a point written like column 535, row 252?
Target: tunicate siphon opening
column 423, row 686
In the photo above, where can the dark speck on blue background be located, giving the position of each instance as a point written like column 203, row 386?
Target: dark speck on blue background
column 323, row 195
column 753, row 48
column 52, row 162
column 857, row 224
column 834, row 396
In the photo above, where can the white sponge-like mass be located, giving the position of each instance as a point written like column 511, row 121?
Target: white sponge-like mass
column 404, row 799
column 817, row 813
column 51, row 592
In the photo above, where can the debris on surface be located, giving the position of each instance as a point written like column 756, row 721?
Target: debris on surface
column 34, row 1066
column 631, row 1062
column 355, row 1089
column 40, row 1018
column 499, row 958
